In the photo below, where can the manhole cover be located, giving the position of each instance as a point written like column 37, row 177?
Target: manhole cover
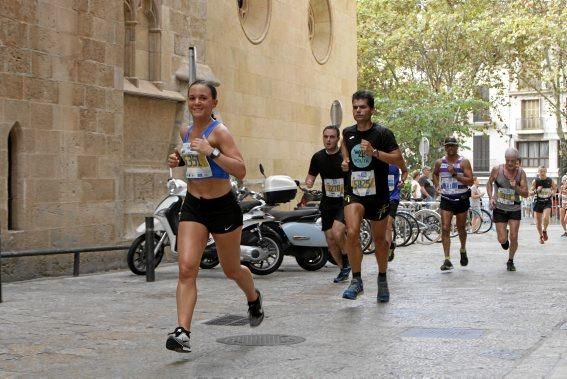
column 261, row 340
column 231, row 320
column 452, row 333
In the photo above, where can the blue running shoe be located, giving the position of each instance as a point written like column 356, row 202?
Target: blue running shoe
column 383, row 292
column 353, row 289
column 343, row 275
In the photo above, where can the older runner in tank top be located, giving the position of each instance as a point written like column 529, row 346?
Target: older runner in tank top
column 505, row 185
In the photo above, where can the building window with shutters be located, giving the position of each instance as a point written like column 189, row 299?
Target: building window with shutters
column 534, row 153
column 481, row 153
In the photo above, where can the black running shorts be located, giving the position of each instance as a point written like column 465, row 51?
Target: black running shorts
column 330, row 214
column 454, row 206
column 394, row 208
column 539, row 205
column 498, row 215
column 219, row 215
column 373, row 209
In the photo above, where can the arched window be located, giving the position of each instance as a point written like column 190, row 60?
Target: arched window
column 142, row 41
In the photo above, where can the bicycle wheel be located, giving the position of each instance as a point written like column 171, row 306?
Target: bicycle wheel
column 402, row 230
column 414, row 227
column 475, row 221
column 486, row 223
column 430, row 226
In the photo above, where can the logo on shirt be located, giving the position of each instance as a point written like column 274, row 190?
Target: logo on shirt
column 359, row 159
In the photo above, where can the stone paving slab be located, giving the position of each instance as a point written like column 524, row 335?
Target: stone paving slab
column 477, row 321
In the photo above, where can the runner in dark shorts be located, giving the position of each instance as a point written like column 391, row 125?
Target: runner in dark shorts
column 327, row 164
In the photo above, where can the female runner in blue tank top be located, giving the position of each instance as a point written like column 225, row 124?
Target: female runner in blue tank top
column 210, row 155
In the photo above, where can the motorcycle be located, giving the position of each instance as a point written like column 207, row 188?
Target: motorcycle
column 254, row 248
column 301, row 228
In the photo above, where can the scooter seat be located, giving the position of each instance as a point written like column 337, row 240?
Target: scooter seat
column 247, row 205
column 296, row 215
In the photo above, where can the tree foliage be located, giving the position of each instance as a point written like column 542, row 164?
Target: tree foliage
column 426, row 60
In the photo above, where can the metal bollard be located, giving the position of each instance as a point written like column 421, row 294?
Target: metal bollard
column 150, row 259
column 76, row 264
column 0, row 263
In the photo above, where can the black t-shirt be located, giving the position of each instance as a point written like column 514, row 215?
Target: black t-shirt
column 332, row 176
column 545, row 194
column 426, row 183
column 367, row 175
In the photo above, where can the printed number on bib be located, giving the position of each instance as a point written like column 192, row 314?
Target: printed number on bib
column 391, row 183
column 545, row 192
column 334, row 187
column 449, row 185
column 363, row 183
column 197, row 164
column 506, row 196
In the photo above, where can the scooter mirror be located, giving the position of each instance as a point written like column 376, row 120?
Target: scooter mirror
column 262, row 169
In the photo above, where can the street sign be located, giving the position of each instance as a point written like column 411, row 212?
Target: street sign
column 424, row 146
column 336, row 113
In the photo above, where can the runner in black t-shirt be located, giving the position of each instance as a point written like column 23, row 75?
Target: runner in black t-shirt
column 327, row 163
column 543, row 188
column 367, row 149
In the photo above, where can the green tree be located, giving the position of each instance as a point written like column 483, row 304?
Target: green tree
column 534, row 43
column 426, row 60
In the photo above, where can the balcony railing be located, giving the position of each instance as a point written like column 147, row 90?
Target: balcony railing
column 529, row 123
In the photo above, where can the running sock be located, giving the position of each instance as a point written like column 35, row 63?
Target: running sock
column 505, row 245
column 345, row 260
column 255, row 301
column 381, row 276
column 392, row 245
column 356, row 275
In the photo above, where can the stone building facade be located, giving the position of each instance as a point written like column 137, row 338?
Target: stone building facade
column 92, row 93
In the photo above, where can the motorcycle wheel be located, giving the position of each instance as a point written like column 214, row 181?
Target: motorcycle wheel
column 273, row 243
column 209, row 263
column 137, row 254
column 314, row 260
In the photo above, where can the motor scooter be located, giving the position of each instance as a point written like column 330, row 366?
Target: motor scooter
column 303, row 238
column 259, row 229
column 166, row 222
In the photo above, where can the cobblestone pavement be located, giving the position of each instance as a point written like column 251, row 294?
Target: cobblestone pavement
column 477, row 321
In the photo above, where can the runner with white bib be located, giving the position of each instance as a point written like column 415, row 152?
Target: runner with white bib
column 327, row 163
column 452, row 175
column 367, row 149
column 543, row 188
column 505, row 185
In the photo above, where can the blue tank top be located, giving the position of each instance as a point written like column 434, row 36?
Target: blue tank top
column 451, row 188
column 215, row 170
column 393, row 181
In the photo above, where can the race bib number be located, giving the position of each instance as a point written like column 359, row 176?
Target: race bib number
column 334, row 187
column 545, row 192
column 449, row 185
column 506, row 196
column 391, row 183
column 363, row 183
column 197, row 165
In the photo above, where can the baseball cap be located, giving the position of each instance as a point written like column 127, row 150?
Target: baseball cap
column 450, row 141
